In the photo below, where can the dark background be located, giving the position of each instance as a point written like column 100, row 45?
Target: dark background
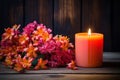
column 67, row 17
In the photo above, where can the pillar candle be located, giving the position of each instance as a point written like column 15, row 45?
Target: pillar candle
column 89, row 49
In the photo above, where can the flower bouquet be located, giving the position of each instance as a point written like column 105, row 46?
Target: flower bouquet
column 35, row 48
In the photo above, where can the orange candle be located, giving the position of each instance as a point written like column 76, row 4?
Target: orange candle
column 89, row 49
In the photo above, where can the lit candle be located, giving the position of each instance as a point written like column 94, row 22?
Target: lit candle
column 89, row 49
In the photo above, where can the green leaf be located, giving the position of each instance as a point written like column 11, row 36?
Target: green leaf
column 23, row 54
column 40, row 56
column 34, row 62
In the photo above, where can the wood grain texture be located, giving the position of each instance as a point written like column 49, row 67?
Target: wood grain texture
column 109, row 71
column 16, row 12
column 96, row 15
column 39, row 10
column 31, row 11
column 67, row 17
column 46, row 14
column 60, row 77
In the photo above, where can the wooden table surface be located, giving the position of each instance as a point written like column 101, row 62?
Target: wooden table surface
column 109, row 71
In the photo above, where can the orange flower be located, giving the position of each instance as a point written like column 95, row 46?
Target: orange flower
column 9, row 32
column 20, row 48
column 16, row 27
column 18, row 67
column 72, row 65
column 31, row 51
column 23, row 38
column 1, row 54
column 4, row 51
column 10, row 50
column 64, row 40
column 8, row 61
column 26, row 63
column 41, row 32
column 45, row 36
column 41, row 64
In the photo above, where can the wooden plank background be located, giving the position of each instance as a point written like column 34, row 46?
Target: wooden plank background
column 66, row 17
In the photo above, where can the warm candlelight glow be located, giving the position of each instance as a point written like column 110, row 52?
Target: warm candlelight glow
column 89, row 32
column 89, row 49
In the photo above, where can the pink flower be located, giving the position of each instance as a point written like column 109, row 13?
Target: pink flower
column 48, row 47
column 60, row 58
column 35, row 42
column 6, row 43
column 30, row 28
column 63, row 41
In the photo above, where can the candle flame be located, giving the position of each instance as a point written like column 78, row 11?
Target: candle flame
column 89, row 32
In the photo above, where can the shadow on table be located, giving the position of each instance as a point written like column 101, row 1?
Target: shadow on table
column 111, row 64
